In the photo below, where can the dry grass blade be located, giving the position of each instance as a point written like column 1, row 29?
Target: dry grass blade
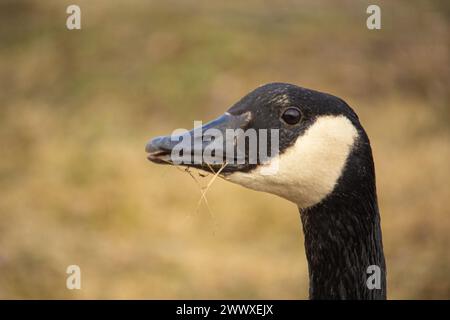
column 203, row 190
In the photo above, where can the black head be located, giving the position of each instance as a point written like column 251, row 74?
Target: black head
column 323, row 164
column 316, row 133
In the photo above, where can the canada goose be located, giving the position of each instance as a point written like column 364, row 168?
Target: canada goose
column 325, row 166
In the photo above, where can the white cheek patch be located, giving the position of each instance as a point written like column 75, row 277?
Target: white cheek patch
column 309, row 169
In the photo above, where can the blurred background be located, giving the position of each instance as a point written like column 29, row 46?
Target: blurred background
column 77, row 107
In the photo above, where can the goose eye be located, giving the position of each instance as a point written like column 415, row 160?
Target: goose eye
column 291, row 116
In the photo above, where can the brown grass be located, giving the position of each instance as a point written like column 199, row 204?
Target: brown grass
column 76, row 109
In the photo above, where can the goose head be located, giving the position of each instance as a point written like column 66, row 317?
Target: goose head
column 320, row 158
column 313, row 134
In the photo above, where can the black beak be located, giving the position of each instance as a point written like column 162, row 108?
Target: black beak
column 187, row 148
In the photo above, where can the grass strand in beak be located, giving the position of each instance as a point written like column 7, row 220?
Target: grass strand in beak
column 205, row 189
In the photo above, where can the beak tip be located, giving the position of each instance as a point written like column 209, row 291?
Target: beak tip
column 154, row 145
column 157, row 150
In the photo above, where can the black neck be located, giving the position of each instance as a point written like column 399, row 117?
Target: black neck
column 339, row 254
column 343, row 238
